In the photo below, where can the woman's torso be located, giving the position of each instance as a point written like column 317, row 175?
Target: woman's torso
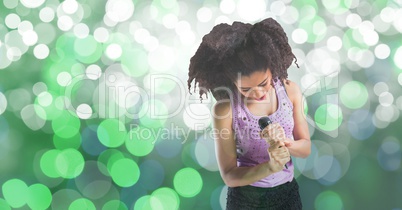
column 251, row 149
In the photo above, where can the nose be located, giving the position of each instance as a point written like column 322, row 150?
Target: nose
column 258, row 93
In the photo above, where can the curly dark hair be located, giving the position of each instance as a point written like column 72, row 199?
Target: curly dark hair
column 240, row 48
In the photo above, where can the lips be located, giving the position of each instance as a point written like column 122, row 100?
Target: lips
column 260, row 99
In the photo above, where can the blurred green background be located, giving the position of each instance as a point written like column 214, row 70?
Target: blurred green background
column 95, row 111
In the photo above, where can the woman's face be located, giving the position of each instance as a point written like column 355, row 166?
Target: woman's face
column 255, row 86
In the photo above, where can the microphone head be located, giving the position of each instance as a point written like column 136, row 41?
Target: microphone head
column 264, row 122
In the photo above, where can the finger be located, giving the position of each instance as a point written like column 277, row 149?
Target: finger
column 271, row 127
column 277, row 143
column 280, row 155
column 280, row 152
column 278, row 147
column 264, row 134
column 274, row 144
column 287, row 143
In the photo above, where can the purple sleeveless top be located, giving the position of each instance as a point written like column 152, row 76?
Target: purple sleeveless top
column 251, row 148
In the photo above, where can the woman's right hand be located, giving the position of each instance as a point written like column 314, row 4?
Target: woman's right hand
column 278, row 156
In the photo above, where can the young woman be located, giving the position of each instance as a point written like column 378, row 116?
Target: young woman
column 244, row 66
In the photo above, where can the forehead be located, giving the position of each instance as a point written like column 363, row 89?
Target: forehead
column 253, row 79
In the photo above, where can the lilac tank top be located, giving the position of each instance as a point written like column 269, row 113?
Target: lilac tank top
column 251, row 148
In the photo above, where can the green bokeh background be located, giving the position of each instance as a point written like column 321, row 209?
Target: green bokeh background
column 95, row 111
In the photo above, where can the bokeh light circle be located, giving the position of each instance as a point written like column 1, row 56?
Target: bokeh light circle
column 360, row 124
column 115, row 204
column 82, row 204
column 31, row 116
column 10, row 4
column 251, row 12
column 170, row 21
column 389, row 154
column 81, row 30
column 167, row 197
column 334, row 43
column 227, row 6
column 162, row 58
column 398, row 102
column 30, row 38
column 45, row 99
column 328, row 200
column 108, row 158
column 152, row 174
column 69, row 163
column 87, row 50
column 340, row 162
column 353, row 95
column 337, row 7
column 119, row 10
column 63, row 199
column 382, row 51
column 69, row 6
column 380, row 87
column 322, row 165
column 39, row 196
column 387, row 113
column 205, row 151
column 66, row 125
column 90, row 142
column 125, row 172
column 140, row 141
column 48, row 163
column 319, row 163
column 46, row 14
column 204, row 14
column 187, row 182
column 3, row 103
column 328, row 117
column 92, row 183
column 398, row 54
column 386, row 99
column 170, row 148
column 365, row 59
column 111, row 133
column 15, row 192
column 153, row 114
column 161, row 84
column 64, row 143
column 144, row 203
column 4, row 205
column 12, row 20
column 25, row 26
column 4, row 61
column 65, row 23
column 322, row 62
column 93, row 72
column 299, row 36
column 84, row 111
column 113, row 51
column 197, row 116
column 32, row 3
column 41, row 51
column 101, row 34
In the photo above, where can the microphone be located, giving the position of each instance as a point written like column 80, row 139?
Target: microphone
column 264, row 122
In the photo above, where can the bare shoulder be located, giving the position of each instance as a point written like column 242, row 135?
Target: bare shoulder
column 293, row 90
column 222, row 110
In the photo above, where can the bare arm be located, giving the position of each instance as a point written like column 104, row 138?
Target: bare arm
column 301, row 147
column 225, row 147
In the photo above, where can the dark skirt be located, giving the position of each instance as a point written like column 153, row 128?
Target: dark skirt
column 282, row 197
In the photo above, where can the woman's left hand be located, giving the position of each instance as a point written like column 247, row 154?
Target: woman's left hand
column 288, row 142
